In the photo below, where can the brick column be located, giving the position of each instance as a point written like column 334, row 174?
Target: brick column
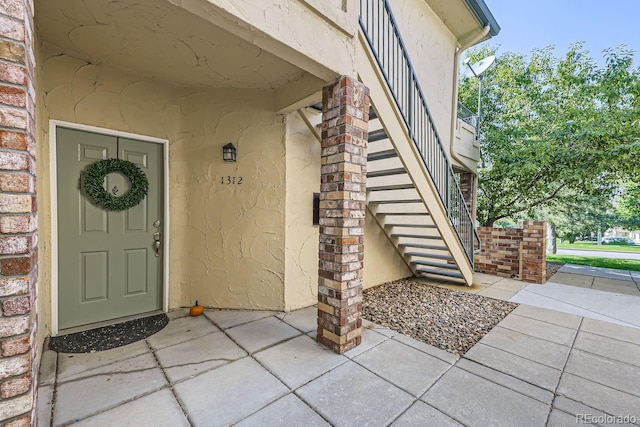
column 345, row 117
column 18, row 238
column 468, row 187
column 534, row 251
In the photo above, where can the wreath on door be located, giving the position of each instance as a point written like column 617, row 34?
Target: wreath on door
column 94, row 179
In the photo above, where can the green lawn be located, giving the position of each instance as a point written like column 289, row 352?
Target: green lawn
column 595, row 247
column 622, row 264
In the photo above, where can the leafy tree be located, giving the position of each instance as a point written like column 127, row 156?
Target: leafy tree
column 554, row 130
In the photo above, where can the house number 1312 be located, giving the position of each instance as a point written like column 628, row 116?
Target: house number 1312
column 230, row 180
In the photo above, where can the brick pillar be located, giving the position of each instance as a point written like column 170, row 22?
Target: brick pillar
column 534, row 253
column 18, row 238
column 468, row 187
column 345, row 117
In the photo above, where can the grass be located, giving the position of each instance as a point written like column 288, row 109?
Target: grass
column 593, row 246
column 621, row 264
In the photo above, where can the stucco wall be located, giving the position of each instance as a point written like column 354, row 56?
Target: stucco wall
column 382, row 263
column 431, row 47
column 228, row 247
column 301, row 247
column 227, row 241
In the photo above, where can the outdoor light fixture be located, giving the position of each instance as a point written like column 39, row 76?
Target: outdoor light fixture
column 229, row 153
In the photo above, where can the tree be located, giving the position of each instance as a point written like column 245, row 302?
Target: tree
column 554, row 130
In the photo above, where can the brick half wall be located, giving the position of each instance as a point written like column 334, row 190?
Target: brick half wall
column 514, row 252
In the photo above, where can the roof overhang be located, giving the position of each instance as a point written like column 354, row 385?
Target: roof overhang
column 465, row 18
column 484, row 16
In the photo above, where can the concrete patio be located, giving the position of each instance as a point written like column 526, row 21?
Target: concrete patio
column 537, row 367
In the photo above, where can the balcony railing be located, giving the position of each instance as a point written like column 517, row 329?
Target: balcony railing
column 466, row 115
column 383, row 36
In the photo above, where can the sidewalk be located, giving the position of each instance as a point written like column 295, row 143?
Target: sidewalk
column 537, row 367
column 598, row 293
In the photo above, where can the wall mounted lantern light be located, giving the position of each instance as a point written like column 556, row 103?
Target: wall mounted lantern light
column 229, row 153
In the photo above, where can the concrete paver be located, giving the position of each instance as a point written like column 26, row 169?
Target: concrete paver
column 537, row 367
column 298, row 361
column 508, row 381
column 288, row 411
column 605, row 399
column 457, row 395
column 106, row 387
column 260, row 334
column 539, row 329
column 621, row 351
column 421, row 414
column 192, row 357
column 542, row 351
column 136, row 413
column 228, row 394
column 350, row 395
column 415, row 374
column 304, row 319
column 181, row 330
column 605, row 371
column 519, row 367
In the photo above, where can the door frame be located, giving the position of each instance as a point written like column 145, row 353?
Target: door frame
column 53, row 176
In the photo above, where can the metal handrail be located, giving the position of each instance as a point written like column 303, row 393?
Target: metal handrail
column 466, row 115
column 381, row 32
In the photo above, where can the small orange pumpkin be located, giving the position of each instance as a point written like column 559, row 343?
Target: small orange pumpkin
column 196, row 310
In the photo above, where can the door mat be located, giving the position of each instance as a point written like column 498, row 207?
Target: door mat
column 109, row 337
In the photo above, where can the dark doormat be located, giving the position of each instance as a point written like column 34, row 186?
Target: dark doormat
column 109, row 337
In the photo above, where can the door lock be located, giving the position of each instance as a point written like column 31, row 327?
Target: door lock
column 156, row 243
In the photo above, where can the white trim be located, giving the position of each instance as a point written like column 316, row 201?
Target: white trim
column 53, row 175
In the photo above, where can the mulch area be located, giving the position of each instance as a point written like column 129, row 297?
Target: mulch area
column 453, row 321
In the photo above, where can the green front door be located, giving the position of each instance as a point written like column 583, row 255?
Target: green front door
column 108, row 266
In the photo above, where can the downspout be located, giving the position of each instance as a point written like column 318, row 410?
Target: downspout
column 482, row 34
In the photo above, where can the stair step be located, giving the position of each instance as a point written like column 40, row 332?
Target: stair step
column 435, row 264
column 387, row 154
column 391, row 202
column 403, row 213
column 410, row 225
column 391, row 187
column 386, row 172
column 428, row 255
column 415, row 236
column 423, row 246
column 439, row 272
column 377, row 135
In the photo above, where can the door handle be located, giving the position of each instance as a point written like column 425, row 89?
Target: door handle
column 156, row 243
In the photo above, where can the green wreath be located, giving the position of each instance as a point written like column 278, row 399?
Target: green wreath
column 94, row 179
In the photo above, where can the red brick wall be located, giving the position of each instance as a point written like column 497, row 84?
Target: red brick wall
column 18, row 238
column 514, row 252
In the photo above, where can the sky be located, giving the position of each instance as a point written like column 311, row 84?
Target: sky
column 539, row 23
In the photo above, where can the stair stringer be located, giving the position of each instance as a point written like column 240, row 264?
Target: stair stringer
column 392, row 121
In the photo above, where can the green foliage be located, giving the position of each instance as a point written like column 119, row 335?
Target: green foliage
column 554, row 130
column 94, row 184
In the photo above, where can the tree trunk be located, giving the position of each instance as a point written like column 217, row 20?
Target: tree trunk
column 552, row 238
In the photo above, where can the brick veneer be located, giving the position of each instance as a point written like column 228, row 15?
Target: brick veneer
column 18, row 238
column 345, row 119
column 511, row 252
column 468, row 187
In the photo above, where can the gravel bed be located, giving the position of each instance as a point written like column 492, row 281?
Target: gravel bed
column 552, row 268
column 451, row 320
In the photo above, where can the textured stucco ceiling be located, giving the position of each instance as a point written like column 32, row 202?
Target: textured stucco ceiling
column 156, row 39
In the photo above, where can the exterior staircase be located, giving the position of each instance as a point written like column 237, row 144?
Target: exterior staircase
column 412, row 190
column 400, row 210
